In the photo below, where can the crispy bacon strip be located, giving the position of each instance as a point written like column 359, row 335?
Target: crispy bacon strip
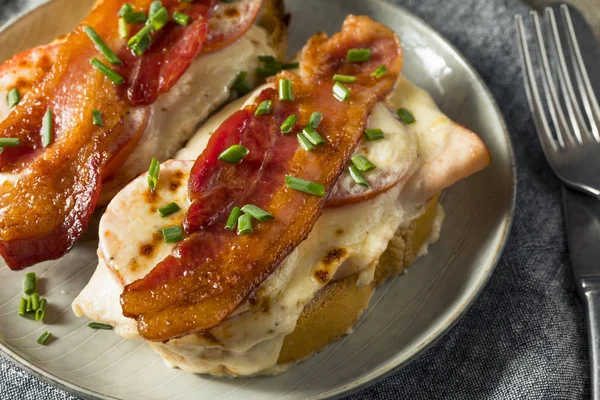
column 45, row 211
column 213, row 271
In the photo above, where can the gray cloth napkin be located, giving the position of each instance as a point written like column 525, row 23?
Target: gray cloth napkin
column 525, row 335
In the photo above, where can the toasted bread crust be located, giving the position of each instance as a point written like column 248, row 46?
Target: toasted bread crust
column 335, row 309
column 274, row 20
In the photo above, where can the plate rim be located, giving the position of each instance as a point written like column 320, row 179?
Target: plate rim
column 376, row 375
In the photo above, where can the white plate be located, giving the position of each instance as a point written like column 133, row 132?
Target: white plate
column 406, row 314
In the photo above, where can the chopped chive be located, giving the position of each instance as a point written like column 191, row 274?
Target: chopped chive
column 244, row 224
column 312, row 135
column 240, row 85
column 344, row 78
column 315, row 119
column 222, row 1
column 233, row 218
column 29, row 284
column 125, row 9
column 267, row 59
column 181, row 18
column 123, row 28
column 358, row 176
column 28, row 306
column 99, row 325
column 234, row 154
column 9, row 142
column 101, row 46
column 304, row 142
column 154, row 7
column 97, row 118
column 169, row 209
column 13, row 98
column 153, row 174
column 316, row 189
column 290, row 65
column 44, row 338
column 379, row 72
column 373, row 134
column 47, row 128
column 141, row 40
column 285, row 90
column 405, row 116
column 35, row 301
column 358, row 55
column 362, row 163
column 288, row 124
column 158, row 19
column 172, row 234
column 22, row 306
column 257, row 213
column 341, row 92
column 107, row 71
column 41, row 311
column 266, row 71
column 135, row 17
column 264, row 108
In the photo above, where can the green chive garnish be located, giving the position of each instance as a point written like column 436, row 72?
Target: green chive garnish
column 181, row 18
column 266, row 72
column 159, row 18
column 172, row 234
column 315, row 119
column 47, row 128
column 97, row 118
column 240, row 85
column 316, row 189
column 101, row 46
column 313, row 136
column 288, row 124
column 169, row 209
column 9, row 142
column 22, row 307
column 125, row 9
column 29, row 284
column 304, row 142
column 153, row 174
column 244, row 224
column 341, row 92
column 35, row 301
column 373, row 134
column 285, row 90
column 28, row 306
column 123, row 28
column 358, row 176
column 290, row 65
column 233, row 218
column 44, row 338
column 13, row 97
column 358, row 55
column 257, row 213
column 267, row 59
column 135, row 17
column 141, row 40
column 405, row 116
column 263, row 108
column 154, row 7
column 234, row 154
column 344, row 78
column 99, row 325
column 107, row 71
column 362, row 163
column 379, row 72
column 41, row 311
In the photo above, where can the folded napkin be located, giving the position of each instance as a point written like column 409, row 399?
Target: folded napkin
column 525, row 335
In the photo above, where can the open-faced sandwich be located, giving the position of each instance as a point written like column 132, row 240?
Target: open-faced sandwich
column 265, row 238
column 87, row 113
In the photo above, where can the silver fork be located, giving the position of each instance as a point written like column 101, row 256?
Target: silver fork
column 571, row 142
column 573, row 150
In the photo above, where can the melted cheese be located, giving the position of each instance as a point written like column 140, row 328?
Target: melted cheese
column 249, row 341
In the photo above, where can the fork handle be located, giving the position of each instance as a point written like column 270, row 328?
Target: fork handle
column 592, row 304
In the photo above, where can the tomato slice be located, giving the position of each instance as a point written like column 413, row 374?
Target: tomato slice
column 229, row 22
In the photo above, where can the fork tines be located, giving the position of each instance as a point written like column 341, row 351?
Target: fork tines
column 567, row 88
